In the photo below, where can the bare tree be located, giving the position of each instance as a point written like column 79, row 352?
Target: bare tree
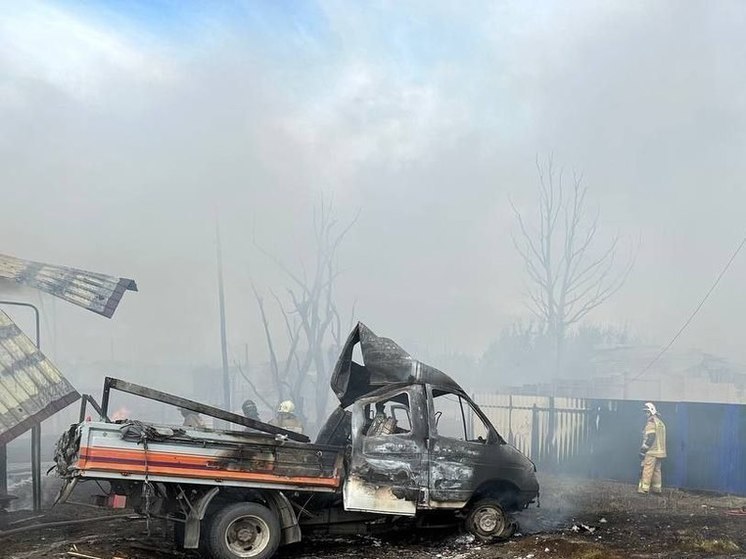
column 312, row 322
column 568, row 275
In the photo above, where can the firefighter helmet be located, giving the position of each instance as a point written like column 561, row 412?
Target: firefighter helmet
column 650, row 408
column 286, row 407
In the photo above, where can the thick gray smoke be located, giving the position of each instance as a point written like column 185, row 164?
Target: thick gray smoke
column 127, row 132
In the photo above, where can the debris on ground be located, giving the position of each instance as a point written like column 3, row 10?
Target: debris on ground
column 675, row 526
column 582, row 528
column 75, row 553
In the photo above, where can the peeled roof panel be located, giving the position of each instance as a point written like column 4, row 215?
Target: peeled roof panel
column 96, row 292
column 31, row 387
column 384, row 363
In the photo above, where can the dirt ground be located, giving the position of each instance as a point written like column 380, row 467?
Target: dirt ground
column 577, row 520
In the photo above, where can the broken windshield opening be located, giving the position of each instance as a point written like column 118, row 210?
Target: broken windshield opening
column 456, row 418
column 389, row 416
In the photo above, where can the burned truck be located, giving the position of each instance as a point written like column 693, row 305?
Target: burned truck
column 405, row 448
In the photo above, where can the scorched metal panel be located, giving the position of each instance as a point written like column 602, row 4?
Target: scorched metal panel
column 31, row 387
column 96, row 292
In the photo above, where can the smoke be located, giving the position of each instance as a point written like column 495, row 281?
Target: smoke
column 23, row 492
column 10, row 289
column 127, row 133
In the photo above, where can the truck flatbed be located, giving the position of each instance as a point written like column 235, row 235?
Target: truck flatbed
column 133, row 450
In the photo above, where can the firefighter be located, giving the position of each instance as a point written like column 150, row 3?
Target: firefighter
column 191, row 418
column 286, row 417
column 652, row 452
column 249, row 410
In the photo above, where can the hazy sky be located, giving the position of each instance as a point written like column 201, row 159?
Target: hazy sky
column 127, row 126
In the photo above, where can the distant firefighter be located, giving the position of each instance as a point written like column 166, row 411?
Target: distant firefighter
column 249, row 410
column 191, row 418
column 286, row 417
column 652, row 452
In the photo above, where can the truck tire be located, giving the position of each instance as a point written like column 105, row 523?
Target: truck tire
column 488, row 522
column 243, row 530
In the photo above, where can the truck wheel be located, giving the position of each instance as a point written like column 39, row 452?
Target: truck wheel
column 244, row 530
column 488, row 522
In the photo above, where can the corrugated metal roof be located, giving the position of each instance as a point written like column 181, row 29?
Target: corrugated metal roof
column 96, row 292
column 31, row 387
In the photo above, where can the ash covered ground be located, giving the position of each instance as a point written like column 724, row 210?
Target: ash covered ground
column 577, row 520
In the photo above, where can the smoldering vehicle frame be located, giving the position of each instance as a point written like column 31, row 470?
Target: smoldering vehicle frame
column 406, row 447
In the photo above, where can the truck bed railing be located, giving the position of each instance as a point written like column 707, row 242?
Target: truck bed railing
column 159, row 396
column 86, row 399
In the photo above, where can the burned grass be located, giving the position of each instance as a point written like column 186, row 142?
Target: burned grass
column 714, row 546
column 559, row 546
column 578, row 520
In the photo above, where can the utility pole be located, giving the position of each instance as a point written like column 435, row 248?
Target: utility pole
column 223, row 342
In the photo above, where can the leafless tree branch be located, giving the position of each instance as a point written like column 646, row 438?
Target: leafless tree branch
column 567, row 277
column 251, row 384
column 274, row 367
column 312, row 322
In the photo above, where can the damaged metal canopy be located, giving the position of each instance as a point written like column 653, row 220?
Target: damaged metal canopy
column 31, row 387
column 96, row 292
column 384, row 364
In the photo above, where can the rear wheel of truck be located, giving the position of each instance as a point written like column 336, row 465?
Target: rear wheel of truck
column 244, row 530
column 488, row 522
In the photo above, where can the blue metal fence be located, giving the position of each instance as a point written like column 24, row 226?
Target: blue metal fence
column 600, row 439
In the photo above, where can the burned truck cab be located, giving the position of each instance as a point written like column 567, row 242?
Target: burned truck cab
column 419, row 444
column 469, row 459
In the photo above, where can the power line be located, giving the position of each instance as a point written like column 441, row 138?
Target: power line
column 691, row 317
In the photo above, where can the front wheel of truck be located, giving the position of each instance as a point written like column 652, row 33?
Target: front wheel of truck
column 488, row 522
column 244, row 530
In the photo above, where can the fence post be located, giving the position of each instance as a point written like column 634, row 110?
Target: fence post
column 535, row 434
column 3, row 470
column 511, row 438
column 593, row 424
column 551, row 458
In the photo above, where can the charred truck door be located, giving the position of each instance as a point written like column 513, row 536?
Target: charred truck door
column 387, row 464
column 464, row 450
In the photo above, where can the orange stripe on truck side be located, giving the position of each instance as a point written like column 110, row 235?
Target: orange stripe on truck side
column 183, row 465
